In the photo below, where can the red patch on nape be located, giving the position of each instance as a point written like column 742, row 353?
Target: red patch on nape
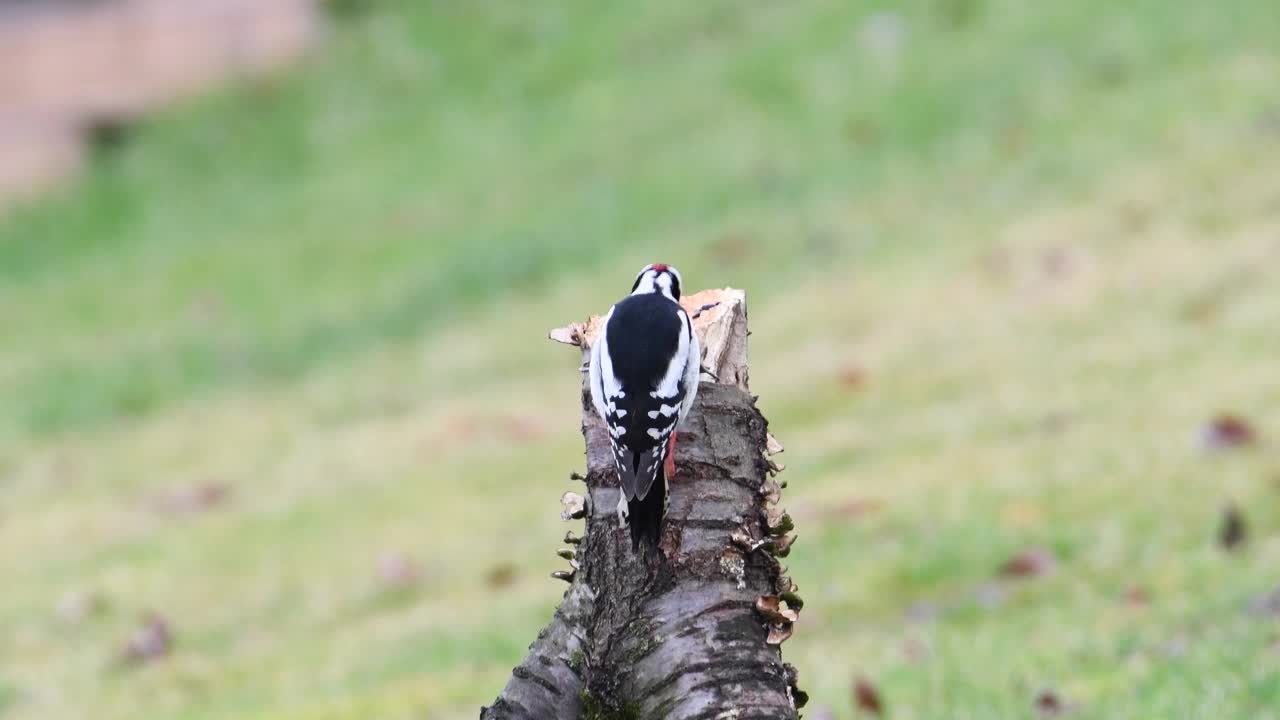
column 660, row 267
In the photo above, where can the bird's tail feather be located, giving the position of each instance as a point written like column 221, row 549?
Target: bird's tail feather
column 641, row 476
column 645, row 519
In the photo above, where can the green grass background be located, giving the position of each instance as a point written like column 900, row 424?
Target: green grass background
column 1045, row 235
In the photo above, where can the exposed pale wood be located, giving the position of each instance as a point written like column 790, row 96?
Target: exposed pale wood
column 721, row 324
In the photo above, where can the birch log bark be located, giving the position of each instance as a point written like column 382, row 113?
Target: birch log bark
column 693, row 634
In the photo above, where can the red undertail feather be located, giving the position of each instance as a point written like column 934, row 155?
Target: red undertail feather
column 669, row 465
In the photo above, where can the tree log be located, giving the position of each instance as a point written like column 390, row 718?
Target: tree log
column 693, row 632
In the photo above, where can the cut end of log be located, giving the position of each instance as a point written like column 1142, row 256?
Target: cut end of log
column 719, row 318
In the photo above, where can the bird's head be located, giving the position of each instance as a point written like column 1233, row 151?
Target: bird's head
column 658, row 278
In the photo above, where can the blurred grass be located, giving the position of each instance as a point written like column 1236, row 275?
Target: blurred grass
column 1046, row 235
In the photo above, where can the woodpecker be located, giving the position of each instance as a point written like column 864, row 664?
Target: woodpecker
column 643, row 374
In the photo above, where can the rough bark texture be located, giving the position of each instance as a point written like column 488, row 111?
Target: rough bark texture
column 693, row 632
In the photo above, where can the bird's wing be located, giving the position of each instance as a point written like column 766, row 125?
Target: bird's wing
column 672, row 398
column 606, row 396
column 692, row 368
column 596, row 369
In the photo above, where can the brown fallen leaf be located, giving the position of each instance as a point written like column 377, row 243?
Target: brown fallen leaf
column 522, row 428
column 1061, row 261
column 1056, row 422
column 1034, row 562
column 866, row 698
column 1203, row 310
column 858, row 507
column 1233, row 531
column 847, row 509
column 1135, row 215
column 1228, row 431
column 1137, row 597
column 732, row 248
column 193, row 500
column 460, row 429
column 1021, row 514
column 398, row 571
column 998, row 263
column 151, row 641
column 500, row 576
column 1013, row 139
column 914, row 649
column 861, row 131
column 1050, row 704
column 852, row 377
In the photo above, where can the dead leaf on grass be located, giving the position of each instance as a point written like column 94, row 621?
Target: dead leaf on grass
column 500, row 576
column 1050, row 704
column 152, row 640
column 866, row 697
column 397, row 571
column 1228, row 431
column 1233, row 530
column 1031, row 563
column 194, row 500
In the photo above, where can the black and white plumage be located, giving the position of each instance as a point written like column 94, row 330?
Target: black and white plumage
column 644, row 371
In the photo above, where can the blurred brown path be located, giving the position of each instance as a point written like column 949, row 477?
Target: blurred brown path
column 69, row 66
